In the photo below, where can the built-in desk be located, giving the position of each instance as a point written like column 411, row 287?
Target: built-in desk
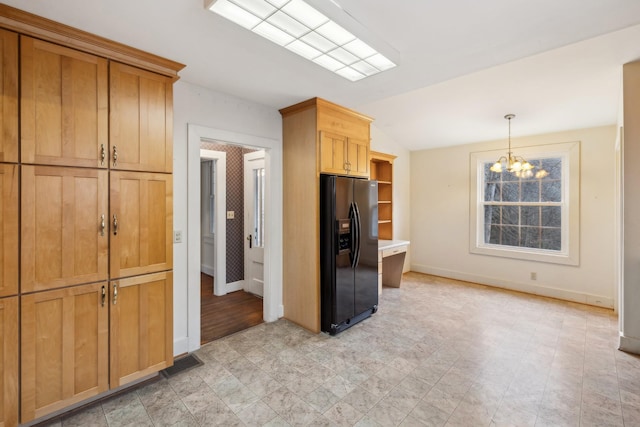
column 391, row 254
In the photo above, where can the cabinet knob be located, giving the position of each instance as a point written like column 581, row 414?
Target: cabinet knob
column 102, row 225
column 115, row 293
column 115, row 225
column 103, row 154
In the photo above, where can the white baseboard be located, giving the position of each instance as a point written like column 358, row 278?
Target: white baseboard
column 207, row 269
column 629, row 344
column 546, row 291
column 235, row 286
column 280, row 311
column 181, row 346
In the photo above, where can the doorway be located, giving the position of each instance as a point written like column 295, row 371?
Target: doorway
column 230, row 302
column 272, row 303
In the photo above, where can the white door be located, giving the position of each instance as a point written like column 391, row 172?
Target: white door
column 254, row 190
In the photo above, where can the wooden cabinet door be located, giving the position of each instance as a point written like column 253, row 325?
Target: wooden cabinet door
column 64, row 109
column 8, row 230
column 63, row 241
column 9, row 362
column 141, row 119
column 9, row 93
column 65, row 339
column 141, row 223
column 333, row 153
column 141, row 333
column 358, row 157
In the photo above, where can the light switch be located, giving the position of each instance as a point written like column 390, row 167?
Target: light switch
column 177, row 236
column 231, row 214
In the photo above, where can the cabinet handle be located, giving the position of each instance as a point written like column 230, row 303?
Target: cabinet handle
column 115, row 225
column 115, row 293
column 102, row 225
column 104, row 295
column 103, row 154
column 115, row 156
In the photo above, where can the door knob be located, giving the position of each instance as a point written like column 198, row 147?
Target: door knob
column 250, row 240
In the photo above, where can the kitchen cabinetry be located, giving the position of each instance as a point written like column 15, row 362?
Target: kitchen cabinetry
column 64, row 101
column 141, row 326
column 382, row 171
column 141, row 223
column 8, row 230
column 95, row 225
column 9, row 96
column 9, row 361
column 341, row 155
column 141, row 119
column 65, row 344
column 64, row 227
column 318, row 137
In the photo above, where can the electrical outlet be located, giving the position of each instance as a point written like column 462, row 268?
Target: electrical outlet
column 177, row 236
column 231, row 214
column 534, row 275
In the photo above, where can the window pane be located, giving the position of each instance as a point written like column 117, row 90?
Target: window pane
column 258, row 216
column 494, row 237
column 492, row 192
column 492, row 215
column 553, row 167
column 510, row 236
column 531, row 237
column 530, row 191
column 212, row 198
column 551, row 239
column 510, row 215
column 551, row 216
column 551, row 191
column 510, row 192
column 530, row 215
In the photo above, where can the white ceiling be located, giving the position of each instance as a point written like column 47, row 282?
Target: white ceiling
column 463, row 64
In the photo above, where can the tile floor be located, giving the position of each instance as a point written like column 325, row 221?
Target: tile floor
column 438, row 352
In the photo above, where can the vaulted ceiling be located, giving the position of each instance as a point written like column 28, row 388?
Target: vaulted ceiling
column 462, row 64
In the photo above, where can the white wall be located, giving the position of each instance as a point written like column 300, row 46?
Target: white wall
column 196, row 105
column 401, row 186
column 440, row 221
column 629, row 313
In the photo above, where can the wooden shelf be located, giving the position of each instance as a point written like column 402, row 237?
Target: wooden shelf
column 381, row 169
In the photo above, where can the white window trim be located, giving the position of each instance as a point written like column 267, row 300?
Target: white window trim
column 570, row 252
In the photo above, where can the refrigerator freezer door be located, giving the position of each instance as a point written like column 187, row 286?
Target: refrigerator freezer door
column 366, row 271
column 344, row 285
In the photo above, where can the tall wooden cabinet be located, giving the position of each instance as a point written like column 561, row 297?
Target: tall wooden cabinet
column 318, row 137
column 86, row 215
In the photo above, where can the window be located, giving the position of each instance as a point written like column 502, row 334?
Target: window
column 258, row 203
column 534, row 218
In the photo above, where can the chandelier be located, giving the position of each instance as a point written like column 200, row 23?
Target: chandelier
column 517, row 165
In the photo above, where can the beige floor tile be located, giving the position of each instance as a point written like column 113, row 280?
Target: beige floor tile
column 438, row 352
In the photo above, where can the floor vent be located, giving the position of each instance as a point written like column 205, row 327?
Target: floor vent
column 181, row 365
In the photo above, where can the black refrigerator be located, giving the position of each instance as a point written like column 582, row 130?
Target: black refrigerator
column 348, row 251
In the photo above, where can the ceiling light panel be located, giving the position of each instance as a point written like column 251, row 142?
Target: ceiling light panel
column 307, row 32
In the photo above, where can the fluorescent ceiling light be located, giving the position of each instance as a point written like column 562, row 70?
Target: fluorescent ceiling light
column 304, row 30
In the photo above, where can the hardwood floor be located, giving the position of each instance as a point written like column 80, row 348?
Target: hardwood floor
column 225, row 315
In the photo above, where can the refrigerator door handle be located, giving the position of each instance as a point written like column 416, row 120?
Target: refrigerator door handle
column 357, row 235
column 352, row 234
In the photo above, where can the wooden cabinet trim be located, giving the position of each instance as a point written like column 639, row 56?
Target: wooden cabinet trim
column 55, row 32
column 322, row 103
